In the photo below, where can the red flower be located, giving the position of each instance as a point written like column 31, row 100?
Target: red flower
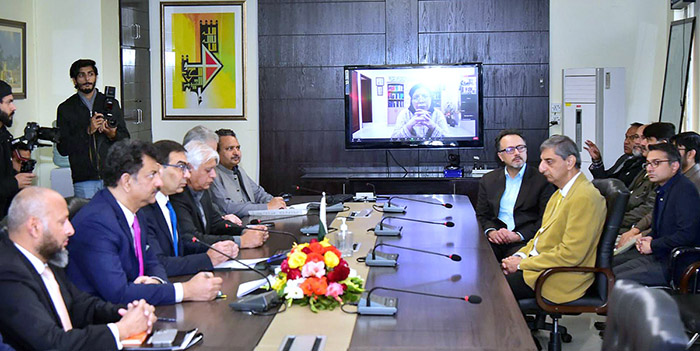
column 306, row 250
column 293, row 274
column 314, row 240
column 317, row 248
column 285, row 266
column 340, row 272
column 314, row 257
column 314, row 285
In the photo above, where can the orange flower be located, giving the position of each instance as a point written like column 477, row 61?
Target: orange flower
column 314, row 257
column 313, row 285
column 316, row 247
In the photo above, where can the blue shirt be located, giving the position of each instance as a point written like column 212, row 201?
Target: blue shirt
column 510, row 195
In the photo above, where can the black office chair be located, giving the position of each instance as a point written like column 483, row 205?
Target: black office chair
column 74, row 205
column 643, row 319
column 596, row 298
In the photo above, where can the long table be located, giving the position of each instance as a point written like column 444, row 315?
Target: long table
column 421, row 322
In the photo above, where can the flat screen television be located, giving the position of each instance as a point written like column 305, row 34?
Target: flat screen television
column 416, row 106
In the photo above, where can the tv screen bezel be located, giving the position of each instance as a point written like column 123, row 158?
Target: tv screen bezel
column 350, row 145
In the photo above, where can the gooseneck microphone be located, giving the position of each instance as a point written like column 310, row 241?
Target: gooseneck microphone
column 387, row 306
column 319, row 192
column 251, row 303
column 374, row 189
column 446, row 204
column 453, row 257
column 272, row 220
column 271, row 231
column 386, row 230
column 381, row 259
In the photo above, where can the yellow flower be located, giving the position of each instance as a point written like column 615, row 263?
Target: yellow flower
column 296, row 260
column 280, row 281
column 325, row 242
column 331, row 259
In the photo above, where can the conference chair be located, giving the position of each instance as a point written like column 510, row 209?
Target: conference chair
column 643, row 319
column 74, row 205
column 596, row 298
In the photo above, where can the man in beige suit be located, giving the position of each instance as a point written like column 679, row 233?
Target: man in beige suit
column 571, row 226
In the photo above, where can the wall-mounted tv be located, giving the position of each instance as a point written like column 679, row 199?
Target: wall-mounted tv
column 416, row 106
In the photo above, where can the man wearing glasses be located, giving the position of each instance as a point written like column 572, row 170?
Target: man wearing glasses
column 626, row 167
column 511, row 199
column 178, row 257
column 675, row 221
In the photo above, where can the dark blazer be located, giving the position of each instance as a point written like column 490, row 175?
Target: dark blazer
column 534, row 193
column 28, row 319
column 190, row 222
column 678, row 224
column 103, row 259
column 8, row 183
column 73, row 120
column 192, row 257
column 625, row 169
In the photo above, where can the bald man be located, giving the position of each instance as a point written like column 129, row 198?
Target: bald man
column 41, row 309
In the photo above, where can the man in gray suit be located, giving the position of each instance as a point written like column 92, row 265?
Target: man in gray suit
column 233, row 191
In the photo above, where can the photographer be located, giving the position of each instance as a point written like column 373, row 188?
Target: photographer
column 89, row 124
column 10, row 181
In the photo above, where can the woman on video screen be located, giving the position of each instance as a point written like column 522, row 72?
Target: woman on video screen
column 421, row 119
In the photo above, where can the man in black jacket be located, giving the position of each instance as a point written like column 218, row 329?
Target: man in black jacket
column 86, row 129
column 41, row 309
column 196, row 214
column 675, row 221
column 178, row 256
column 511, row 199
column 626, row 167
column 10, row 181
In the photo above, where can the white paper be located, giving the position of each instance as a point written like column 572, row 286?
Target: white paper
column 248, row 287
column 231, row 264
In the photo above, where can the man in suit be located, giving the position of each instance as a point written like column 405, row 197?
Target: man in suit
column 511, row 199
column 178, row 256
column 110, row 255
column 233, row 190
column 675, row 221
column 571, row 226
column 40, row 308
column 626, row 167
column 195, row 211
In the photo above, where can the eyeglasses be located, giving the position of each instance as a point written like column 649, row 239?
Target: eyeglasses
column 182, row 166
column 632, row 137
column 511, row 149
column 654, row 163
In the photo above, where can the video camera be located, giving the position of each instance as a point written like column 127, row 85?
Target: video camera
column 110, row 93
column 33, row 133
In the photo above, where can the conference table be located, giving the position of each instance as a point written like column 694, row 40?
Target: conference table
column 421, row 323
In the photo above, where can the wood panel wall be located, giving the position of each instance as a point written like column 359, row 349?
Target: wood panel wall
column 304, row 44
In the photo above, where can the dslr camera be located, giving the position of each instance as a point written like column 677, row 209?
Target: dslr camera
column 30, row 140
column 110, row 91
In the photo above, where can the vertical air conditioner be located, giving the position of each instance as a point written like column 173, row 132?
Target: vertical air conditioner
column 594, row 109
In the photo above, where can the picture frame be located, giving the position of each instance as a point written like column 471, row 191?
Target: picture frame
column 203, row 60
column 13, row 56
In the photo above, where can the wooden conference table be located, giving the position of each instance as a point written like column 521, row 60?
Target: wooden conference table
column 422, row 323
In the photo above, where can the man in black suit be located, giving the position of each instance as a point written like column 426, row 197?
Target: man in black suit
column 626, row 167
column 40, row 308
column 511, row 199
column 178, row 256
column 195, row 211
column 675, row 221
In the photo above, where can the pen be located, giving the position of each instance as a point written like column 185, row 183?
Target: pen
column 165, row 319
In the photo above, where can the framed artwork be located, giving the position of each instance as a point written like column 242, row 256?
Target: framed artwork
column 203, row 57
column 13, row 56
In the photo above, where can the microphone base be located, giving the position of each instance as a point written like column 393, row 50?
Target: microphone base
column 393, row 209
column 381, row 259
column 257, row 303
column 387, row 230
column 378, row 306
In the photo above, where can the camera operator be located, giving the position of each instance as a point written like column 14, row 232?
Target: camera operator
column 10, row 181
column 22, row 158
column 86, row 130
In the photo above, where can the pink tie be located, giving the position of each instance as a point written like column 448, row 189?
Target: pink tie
column 57, row 298
column 137, row 244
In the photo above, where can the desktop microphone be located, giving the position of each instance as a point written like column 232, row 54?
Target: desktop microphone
column 271, row 220
column 294, row 238
column 387, row 306
column 381, row 259
column 387, row 230
column 398, row 209
column 254, row 303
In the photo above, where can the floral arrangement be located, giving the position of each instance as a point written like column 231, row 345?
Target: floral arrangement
column 314, row 274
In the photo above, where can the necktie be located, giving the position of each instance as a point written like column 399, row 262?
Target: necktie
column 57, row 298
column 137, row 243
column 237, row 172
column 173, row 220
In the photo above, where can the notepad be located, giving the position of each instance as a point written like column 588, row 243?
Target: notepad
column 231, row 264
column 248, row 287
